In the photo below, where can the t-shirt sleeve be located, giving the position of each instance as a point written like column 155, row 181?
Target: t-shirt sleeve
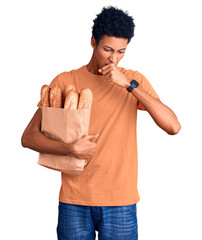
column 145, row 84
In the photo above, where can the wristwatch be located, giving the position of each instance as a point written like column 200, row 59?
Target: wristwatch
column 134, row 84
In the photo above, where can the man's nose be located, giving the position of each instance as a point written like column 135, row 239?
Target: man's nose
column 113, row 58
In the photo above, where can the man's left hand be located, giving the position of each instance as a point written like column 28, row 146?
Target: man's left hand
column 111, row 73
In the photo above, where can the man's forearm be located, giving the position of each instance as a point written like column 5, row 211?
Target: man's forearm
column 163, row 116
column 37, row 141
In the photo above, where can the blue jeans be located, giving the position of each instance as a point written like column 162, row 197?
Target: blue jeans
column 78, row 222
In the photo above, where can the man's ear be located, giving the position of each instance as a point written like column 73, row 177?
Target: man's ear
column 93, row 42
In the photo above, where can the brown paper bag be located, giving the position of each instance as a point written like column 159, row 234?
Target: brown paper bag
column 65, row 125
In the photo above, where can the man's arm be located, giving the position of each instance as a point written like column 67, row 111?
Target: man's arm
column 163, row 116
column 34, row 139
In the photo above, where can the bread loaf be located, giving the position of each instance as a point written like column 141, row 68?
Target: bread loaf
column 71, row 100
column 85, row 99
column 45, row 90
column 66, row 90
column 55, row 97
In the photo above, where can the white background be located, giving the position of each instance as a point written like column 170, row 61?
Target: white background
column 40, row 39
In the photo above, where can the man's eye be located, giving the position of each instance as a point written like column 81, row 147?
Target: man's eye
column 121, row 52
column 107, row 50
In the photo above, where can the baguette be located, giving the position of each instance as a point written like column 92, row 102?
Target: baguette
column 85, row 99
column 55, row 97
column 66, row 90
column 71, row 100
column 45, row 91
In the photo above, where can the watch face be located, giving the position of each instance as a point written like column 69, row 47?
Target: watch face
column 134, row 82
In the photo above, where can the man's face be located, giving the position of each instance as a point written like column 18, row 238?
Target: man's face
column 109, row 50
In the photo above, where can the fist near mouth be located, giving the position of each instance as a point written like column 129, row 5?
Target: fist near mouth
column 111, row 73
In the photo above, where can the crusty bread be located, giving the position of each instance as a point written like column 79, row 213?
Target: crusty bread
column 71, row 100
column 55, row 97
column 45, row 90
column 85, row 99
column 66, row 90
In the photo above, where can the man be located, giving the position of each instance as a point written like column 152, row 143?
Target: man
column 104, row 196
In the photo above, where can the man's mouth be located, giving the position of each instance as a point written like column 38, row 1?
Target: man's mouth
column 109, row 63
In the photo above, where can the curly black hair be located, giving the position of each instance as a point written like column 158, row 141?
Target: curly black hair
column 113, row 22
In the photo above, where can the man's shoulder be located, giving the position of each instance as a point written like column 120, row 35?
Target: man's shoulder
column 65, row 74
column 130, row 73
column 124, row 70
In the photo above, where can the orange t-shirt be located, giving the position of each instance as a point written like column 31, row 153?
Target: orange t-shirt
column 110, row 177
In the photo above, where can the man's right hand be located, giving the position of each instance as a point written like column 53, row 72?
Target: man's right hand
column 85, row 147
column 33, row 138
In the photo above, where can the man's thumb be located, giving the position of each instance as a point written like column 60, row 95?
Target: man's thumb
column 93, row 136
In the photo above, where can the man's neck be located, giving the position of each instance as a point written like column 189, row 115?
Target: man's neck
column 92, row 67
